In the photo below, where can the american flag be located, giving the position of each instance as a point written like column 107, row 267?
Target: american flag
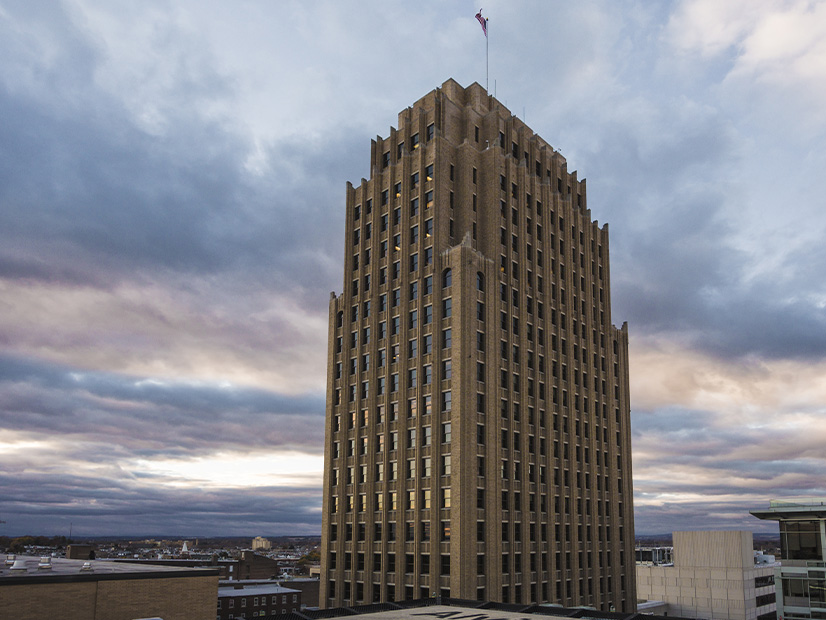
column 483, row 21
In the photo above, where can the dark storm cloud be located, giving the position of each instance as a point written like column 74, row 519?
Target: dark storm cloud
column 106, row 505
column 670, row 168
column 88, row 194
column 139, row 416
column 675, row 516
column 122, row 201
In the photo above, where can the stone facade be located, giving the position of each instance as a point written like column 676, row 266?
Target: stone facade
column 477, row 431
column 714, row 576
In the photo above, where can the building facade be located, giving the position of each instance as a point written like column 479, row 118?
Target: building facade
column 801, row 576
column 714, row 575
column 477, row 430
column 34, row 588
column 259, row 600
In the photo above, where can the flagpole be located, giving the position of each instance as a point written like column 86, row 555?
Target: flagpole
column 487, row 64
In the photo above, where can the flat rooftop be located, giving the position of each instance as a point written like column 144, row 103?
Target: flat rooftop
column 255, row 590
column 793, row 508
column 33, row 569
column 457, row 609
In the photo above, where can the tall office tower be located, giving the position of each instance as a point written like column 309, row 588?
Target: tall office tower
column 477, row 434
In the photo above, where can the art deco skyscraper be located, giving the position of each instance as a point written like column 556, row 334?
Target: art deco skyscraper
column 477, row 433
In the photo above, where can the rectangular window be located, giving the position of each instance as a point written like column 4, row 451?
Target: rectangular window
column 447, row 369
column 447, row 400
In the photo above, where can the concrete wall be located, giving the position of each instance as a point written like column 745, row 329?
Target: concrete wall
column 712, row 577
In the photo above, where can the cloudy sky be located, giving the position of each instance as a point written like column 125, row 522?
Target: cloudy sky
column 171, row 218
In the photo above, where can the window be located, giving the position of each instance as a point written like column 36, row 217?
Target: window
column 446, row 432
column 480, row 281
column 428, row 172
column 414, row 142
column 414, row 180
column 447, row 278
column 447, row 338
column 414, row 207
column 428, row 315
column 447, row 400
column 447, row 369
column 428, row 199
column 414, row 234
column 430, row 132
column 446, row 497
column 428, row 285
column 427, row 344
column 447, row 307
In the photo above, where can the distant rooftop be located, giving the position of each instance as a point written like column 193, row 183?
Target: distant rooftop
column 17, row 569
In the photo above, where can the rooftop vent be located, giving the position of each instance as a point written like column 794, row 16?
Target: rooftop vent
column 19, row 565
column 10, row 559
column 45, row 563
column 87, row 567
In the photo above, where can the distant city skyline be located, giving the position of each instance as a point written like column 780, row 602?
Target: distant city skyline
column 168, row 244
